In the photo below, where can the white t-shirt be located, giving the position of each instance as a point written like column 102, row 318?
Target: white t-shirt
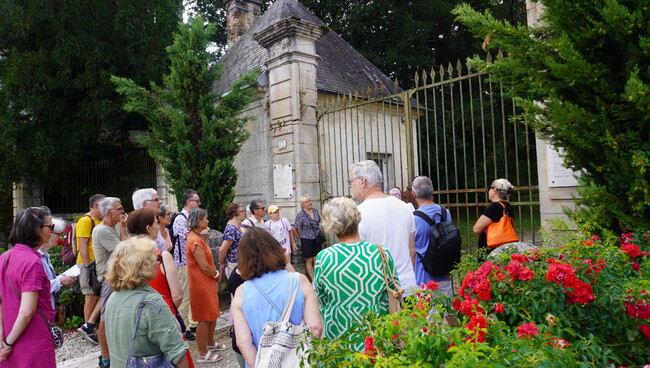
column 389, row 222
column 280, row 231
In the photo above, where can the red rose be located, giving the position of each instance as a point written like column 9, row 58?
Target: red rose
column 582, row 292
column 519, row 257
column 632, row 250
column 595, row 238
column 432, row 285
column 560, row 273
column 499, row 308
column 369, row 346
column 517, row 271
column 527, row 329
column 587, row 243
column 470, row 307
column 640, row 309
column 559, row 342
column 646, row 331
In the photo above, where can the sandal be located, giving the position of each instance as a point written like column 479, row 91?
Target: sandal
column 217, row 347
column 210, row 357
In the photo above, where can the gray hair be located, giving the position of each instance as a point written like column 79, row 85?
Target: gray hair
column 59, row 224
column 196, row 215
column 107, row 204
column 248, row 210
column 28, row 225
column 188, row 195
column 141, row 195
column 423, row 187
column 341, row 216
column 369, row 170
column 503, row 187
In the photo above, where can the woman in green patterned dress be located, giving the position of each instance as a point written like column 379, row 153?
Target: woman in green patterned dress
column 348, row 276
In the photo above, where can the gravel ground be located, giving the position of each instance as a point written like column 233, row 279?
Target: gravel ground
column 77, row 353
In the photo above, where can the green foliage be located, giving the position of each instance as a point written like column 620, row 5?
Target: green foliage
column 195, row 135
column 71, row 323
column 589, row 67
column 421, row 33
column 57, row 105
column 498, row 300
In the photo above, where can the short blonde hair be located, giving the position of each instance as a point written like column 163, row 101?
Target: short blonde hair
column 132, row 264
column 305, row 198
column 341, row 217
column 503, row 187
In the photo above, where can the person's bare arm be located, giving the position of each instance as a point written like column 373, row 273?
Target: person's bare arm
column 412, row 248
column 242, row 330
column 202, row 262
column 182, row 363
column 481, row 224
column 312, row 313
column 172, row 278
column 26, row 311
column 123, row 233
column 223, row 251
column 82, row 245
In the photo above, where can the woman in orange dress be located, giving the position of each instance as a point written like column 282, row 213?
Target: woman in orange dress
column 203, row 278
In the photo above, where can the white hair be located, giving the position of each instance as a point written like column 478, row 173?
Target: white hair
column 107, row 204
column 141, row 195
column 503, row 187
column 369, row 170
column 59, row 224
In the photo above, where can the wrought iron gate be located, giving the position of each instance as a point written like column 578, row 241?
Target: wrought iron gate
column 456, row 126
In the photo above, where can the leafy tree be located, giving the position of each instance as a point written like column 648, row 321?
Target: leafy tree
column 420, row 33
column 195, row 135
column 590, row 66
column 57, row 105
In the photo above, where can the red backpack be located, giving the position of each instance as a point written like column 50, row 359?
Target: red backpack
column 69, row 249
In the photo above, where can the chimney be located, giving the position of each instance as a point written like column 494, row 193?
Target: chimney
column 240, row 16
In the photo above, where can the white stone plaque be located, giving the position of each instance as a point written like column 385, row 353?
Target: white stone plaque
column 558, row 174
column 283, row 181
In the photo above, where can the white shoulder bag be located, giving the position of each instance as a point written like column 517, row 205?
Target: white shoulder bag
column 283, row 344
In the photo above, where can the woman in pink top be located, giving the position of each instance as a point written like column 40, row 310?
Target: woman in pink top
column 25, row 289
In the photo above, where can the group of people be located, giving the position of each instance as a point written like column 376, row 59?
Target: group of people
column 147, row 295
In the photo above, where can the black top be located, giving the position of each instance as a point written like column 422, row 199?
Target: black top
column 494, row 211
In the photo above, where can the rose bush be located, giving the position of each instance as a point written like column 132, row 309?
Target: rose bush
column 583, row 304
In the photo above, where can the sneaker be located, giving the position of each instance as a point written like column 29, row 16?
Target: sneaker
column 102, row 365
column 189, row 336
column 88, row 334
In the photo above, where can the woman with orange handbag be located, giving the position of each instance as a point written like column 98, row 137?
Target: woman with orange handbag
column 496, row 226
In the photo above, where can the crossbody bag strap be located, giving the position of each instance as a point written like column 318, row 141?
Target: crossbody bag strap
column 137, row 321
column 388, row 274
column 266, row 296
column 16, row 291
column 293, row 293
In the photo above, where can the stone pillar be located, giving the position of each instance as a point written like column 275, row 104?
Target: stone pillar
column 241, row 14
column 26, row 195
column 292, row 92
column 164, row 191
column 554, row 194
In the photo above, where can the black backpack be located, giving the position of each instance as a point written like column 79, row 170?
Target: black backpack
column 172, row 236
column 443, row 252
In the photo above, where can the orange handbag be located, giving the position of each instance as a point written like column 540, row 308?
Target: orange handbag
column 501, row 232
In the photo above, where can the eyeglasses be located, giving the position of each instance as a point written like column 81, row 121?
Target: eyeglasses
column 154, row 200
column 195, row 200
column 261, row 208
column 351, row 180
column 117, row 209
column 242, row 211
column 51, row 226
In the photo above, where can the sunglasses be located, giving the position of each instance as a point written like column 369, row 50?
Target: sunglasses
column 51, row 226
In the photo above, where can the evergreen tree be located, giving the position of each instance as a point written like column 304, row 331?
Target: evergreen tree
column 195, row 135
column 58, row 107
column 584, row 80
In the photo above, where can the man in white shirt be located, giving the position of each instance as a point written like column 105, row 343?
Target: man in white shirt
column 385, row 220
column 257, row 209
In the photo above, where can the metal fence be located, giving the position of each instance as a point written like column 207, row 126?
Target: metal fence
column 116, row 178
column 456, row 126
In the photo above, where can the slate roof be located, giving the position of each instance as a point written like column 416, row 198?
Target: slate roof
column 341, row 69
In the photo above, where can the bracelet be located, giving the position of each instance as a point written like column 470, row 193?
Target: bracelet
column 216, row 275
column 8, row 344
